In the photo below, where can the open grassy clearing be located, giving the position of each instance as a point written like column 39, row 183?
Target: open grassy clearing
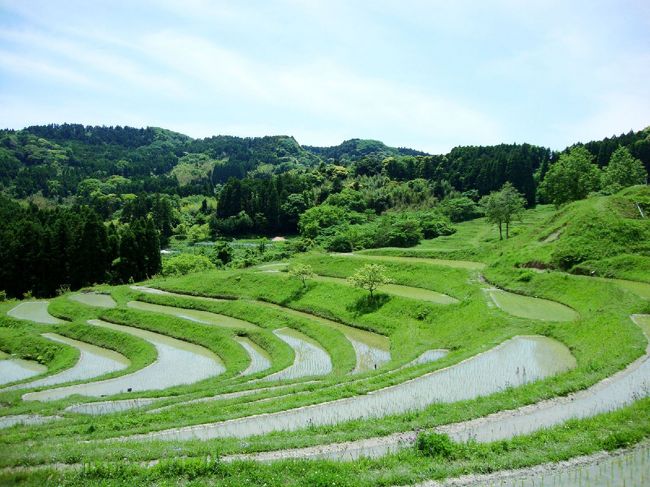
column 328, row 313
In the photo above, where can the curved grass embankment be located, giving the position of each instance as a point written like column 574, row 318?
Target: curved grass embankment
column 177, row 363
column 93, row 362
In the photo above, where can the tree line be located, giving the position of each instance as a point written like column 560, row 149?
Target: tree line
column 48, row 250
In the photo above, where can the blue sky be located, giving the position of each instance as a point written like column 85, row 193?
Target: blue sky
column 423, row 74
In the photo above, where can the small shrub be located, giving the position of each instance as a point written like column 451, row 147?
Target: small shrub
column 3, row 295
column 436, row 445
column 525, row 276
column 63, row 289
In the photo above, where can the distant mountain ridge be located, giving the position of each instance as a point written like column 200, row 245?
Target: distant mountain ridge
column 54, row 159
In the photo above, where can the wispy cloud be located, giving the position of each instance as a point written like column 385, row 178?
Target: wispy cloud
column 428, row 74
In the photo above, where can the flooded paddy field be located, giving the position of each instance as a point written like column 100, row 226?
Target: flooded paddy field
column 260, row 359
column 204, row 317
column 178, row 363
column 310, row 357
column 530, row 307
column 35, row 311
column 99, row 300
column 93, row 362
column 15, row 369
column 515, row 362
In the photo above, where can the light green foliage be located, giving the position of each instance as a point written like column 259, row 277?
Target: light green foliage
column 182, row 264
column 370, row 277
column 571, row 178
column 315, row 219
column 302, row 272
column 460, row 209
column 623, row 170
column 193, row 167
column 502, row 206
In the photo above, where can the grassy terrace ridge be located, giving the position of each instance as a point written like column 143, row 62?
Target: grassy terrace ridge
column 472, row 325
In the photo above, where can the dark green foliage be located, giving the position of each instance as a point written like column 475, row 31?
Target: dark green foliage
column 44, row 250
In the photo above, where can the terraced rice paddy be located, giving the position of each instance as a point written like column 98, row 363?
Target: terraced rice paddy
column 310, row 358
column 418, row 361
column 371, row 349
column 93, row 362
column 178, row 363
column 34, row 311
column 197, row 316
column 108, row 407
column 403, row 291
column 98, row 300
column 25, row 419
column 628, row 469
column 528, row 359
column 533, row 308
column 15, row 369
column 459, row 264
column 260, row 359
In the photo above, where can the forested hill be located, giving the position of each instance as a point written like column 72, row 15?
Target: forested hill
column 60, row 161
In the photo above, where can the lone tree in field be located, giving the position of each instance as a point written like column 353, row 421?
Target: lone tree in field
column 503, row 206
column 302, row 272
column 370, row 277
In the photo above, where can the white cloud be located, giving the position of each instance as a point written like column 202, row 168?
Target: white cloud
column 96, row 61
column 40, row 68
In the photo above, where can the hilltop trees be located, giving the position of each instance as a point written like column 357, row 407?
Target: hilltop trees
column 623, row 170
column 503, row 206
column 571, row 178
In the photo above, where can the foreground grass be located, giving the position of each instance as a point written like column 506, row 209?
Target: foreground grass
column 412, row 326
column 605, row 432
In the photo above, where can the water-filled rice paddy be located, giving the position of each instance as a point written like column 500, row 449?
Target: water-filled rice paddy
column 15, row 369
column 93, row 362
column 260, row 359
column 518, row 361
column 372, row 350
column 610, row 394
column 310, row 357
column 34, row 311
column 107, row 407
column 533, row 308
column 629, row 469
column 197, row 316
column 96, row 299
column 178, row 363
column 25, row 419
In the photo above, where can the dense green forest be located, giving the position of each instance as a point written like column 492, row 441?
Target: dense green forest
column 86, row 204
